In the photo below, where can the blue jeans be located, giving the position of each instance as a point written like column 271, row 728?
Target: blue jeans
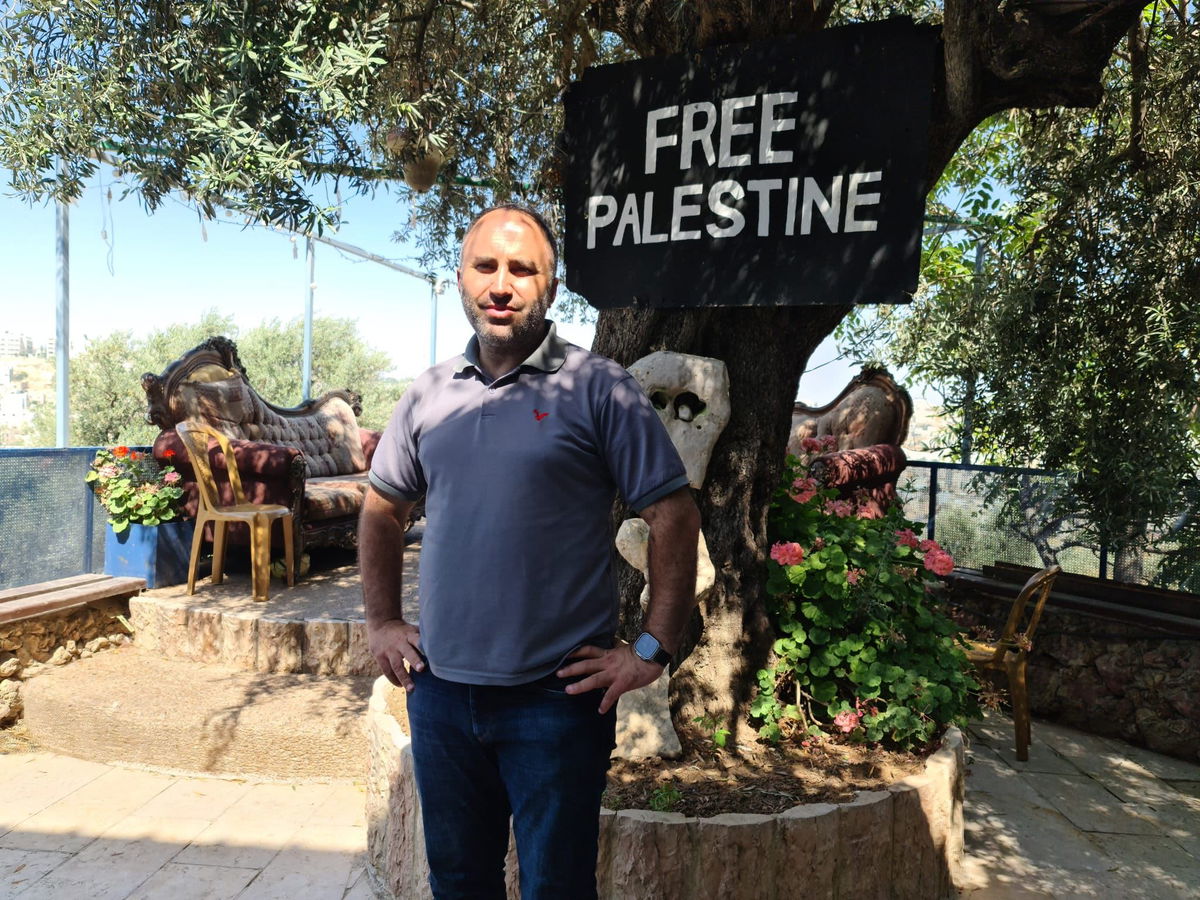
column 483, row 753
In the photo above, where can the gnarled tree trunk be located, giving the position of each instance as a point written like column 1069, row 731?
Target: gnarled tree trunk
column 995, row 56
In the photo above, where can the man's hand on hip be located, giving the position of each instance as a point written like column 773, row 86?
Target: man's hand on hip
column 394, row 643
column 619, row 670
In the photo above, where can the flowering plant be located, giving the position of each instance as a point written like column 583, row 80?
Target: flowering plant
column 134, row 488
column 862, row 650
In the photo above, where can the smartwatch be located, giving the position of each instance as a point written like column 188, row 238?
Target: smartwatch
column 650, row 650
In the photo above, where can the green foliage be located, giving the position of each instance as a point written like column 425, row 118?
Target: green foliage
column 272, row 353
column 108, row 405
column 665, row 798
column 134, row 488
column 861, row 647
column 1075, row 344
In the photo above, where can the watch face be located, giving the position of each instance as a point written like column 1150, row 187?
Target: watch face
column 646, row 646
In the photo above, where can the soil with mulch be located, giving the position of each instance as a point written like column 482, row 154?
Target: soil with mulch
column 761, row 779
column 756, row 779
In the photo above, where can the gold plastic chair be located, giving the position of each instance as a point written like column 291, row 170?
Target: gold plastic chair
column 1010, row 654
column 258, row 516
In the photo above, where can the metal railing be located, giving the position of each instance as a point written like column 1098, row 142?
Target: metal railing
column 988, row 514
column 50, row 525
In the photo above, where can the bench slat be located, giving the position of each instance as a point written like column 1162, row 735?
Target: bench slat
column 29, row 590
column 109, row 588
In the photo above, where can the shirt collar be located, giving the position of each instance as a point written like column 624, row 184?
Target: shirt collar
column 548, row 357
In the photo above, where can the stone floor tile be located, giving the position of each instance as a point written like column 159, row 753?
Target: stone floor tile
column 1162, row 766
column 195, row 798
column 1088, row 805
column 21, row 868
column 998, row 735
column 345, row 804
column 70, row 824
column 1180, row 824
column 1027, row 840
column 360, row 889
column 191, row 882
column 11, row 762
column 1150, row 851
column 996, row 889
column 1191, row 788
column 988, row 773
column 1130, row 784
column 115, row 864
column 276, row 800
column 41, row 782
column 315, row 865
column 1126, row 883
column 237, row 842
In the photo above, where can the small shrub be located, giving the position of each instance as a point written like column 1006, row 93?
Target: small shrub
column 862, row 650
column 665, row 798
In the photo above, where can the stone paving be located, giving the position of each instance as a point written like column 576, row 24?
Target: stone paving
column 1085, row 817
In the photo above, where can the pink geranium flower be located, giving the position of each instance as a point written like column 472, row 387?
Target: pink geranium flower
column 847, row 720
column 829, row 442
column 928, row 545
column 906, row 538
column 787, row 554
column 804, row 489
column 171, row 477
column 839, row 508
column 939, row 562
column 810, row 445
column 853, row 575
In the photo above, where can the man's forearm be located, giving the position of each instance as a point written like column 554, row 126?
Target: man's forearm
column 381, row 558
column 674, row 532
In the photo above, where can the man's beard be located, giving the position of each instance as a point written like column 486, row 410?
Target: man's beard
column 529, row 331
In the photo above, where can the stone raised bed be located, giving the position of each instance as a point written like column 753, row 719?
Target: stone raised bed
column 905, row 842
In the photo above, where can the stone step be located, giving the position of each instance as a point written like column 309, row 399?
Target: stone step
column 317, row 626
column 131, row 706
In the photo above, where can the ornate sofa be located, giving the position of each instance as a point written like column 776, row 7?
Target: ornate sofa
column 312, row 458
column 870, row 419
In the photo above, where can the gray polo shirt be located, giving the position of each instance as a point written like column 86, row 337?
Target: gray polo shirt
column 519, row 475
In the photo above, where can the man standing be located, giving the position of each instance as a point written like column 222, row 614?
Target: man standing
column 520, row 446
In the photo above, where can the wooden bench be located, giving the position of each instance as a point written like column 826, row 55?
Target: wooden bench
column 34, row 600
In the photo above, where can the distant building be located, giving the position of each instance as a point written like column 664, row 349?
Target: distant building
column 13, row 343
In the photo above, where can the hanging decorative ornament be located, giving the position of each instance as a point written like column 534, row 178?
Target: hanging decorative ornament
column 421, row 158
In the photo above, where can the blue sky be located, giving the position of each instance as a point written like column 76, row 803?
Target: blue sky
column 130, row 270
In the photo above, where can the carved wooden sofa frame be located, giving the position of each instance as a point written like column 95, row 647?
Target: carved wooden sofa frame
column 870, row 420
column 279, row 451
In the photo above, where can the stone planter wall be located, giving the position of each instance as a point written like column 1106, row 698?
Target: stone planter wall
column 905, row 842
column 27, row 646
column 1109, row 678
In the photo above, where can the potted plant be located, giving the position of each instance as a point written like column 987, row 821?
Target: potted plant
column 146, row 537
column 863, row 650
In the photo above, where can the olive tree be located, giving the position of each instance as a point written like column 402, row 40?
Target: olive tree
column 277, row 109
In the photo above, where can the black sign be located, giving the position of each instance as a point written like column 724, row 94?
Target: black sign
column 783, row 173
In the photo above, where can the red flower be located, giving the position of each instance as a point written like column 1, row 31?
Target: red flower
column 906, row 538
column 134, row 455
column 787, row 554
column 939, row 562
column 168, row 453
column 121, row 451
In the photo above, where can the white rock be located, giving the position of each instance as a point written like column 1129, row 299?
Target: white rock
column 10, row 667
column 60, row 657
column 10, row 701
column 96, row 644
column 691, row 396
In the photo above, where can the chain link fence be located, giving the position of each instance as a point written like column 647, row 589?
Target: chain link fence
column 50, row 525
column 987, row 514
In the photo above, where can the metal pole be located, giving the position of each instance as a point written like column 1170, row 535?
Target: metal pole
column 931, row 524
column 310, row 255
column 62, row 331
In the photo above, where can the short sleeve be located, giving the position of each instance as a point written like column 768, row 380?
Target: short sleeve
column 395, row 467
column 641, row 458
